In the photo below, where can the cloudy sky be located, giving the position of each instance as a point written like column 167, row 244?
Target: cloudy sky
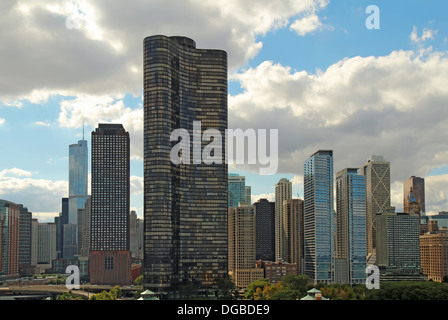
column 309, row 68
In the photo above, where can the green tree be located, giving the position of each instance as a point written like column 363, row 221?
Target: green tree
column 139, row 280
column 226, row 288
column 252, row 288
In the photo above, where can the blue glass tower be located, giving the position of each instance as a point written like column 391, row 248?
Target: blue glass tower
column 318, row 217
column 351, row 236
column 237, row 189
column 77, row 195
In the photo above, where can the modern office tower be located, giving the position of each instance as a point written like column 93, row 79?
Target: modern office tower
column 318, row 217
column 43, row 245
column 185, row 205
column 414, row 189
column 110, row 258
column 25, row 230
column 377, row 173
column 84, row 221
column 9, row 239
column 136, row 236
column 283, row 191
column 77, row 179
column 397, row 242
column 60, row 221
column 264, row 211
column 434, row 253
column 293, row 228
column 351, row 246
column 248, row 195
column 237, row 189
column 77, row 191
column 242, row 262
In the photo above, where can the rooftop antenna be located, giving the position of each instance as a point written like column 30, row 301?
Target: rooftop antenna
column 83, row 129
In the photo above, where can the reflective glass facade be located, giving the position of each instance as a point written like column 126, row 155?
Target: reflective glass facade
column 318, row 217
column 351, row 241
column 185, row 205
column 77, row 179
column 237, row 189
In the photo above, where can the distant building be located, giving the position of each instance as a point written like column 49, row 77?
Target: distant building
column 9, row 239
column 60, row 221
column 84, row 226
column 414, row 191
column 25, row 230
column 293, row 232
column 283, row 191
column 351, row 247
column 377, row 173
column 434, row 252
column 275, row 271
column 236, row 190
column 43, row 245
column 264, row 211
column 241, row 235
column 318, row 217
column 136, row 236
column 398, row 242
column 248, row 195
column 110, row 257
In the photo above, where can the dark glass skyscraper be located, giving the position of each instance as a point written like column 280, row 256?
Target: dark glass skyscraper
column 185, row 209
column 109, row 238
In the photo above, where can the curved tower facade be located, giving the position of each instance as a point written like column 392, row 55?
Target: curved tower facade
column 185, row 205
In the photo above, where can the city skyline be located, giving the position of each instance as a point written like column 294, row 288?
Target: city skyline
column 315, row 46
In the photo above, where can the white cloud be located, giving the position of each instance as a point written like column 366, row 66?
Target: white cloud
column 394, row 105
column 426, row 34
column 15, row 172
column 2, row 121
column 40, row 195
column 104, row 55
column 306, row 25
column 42, row 123
column 92, row 110
column 268, row 196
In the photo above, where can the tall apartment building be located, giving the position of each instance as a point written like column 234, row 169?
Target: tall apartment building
column 242, row 249
column 283, row 191
column 84, row 225
column 398, row 242
column 43, row 245
column 434, row 253
column 185, row 202
column 9, row 239
column 136, row 236
column 414, row 190
column 248, row 195
column 351, row 246
column 60, row 221
column 264, row 211
column 318, row 217
column 293, row 228
column 110, row 258
column 377, row 173
column 25, row 231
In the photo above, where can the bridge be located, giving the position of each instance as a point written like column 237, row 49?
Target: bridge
column 33, row 292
